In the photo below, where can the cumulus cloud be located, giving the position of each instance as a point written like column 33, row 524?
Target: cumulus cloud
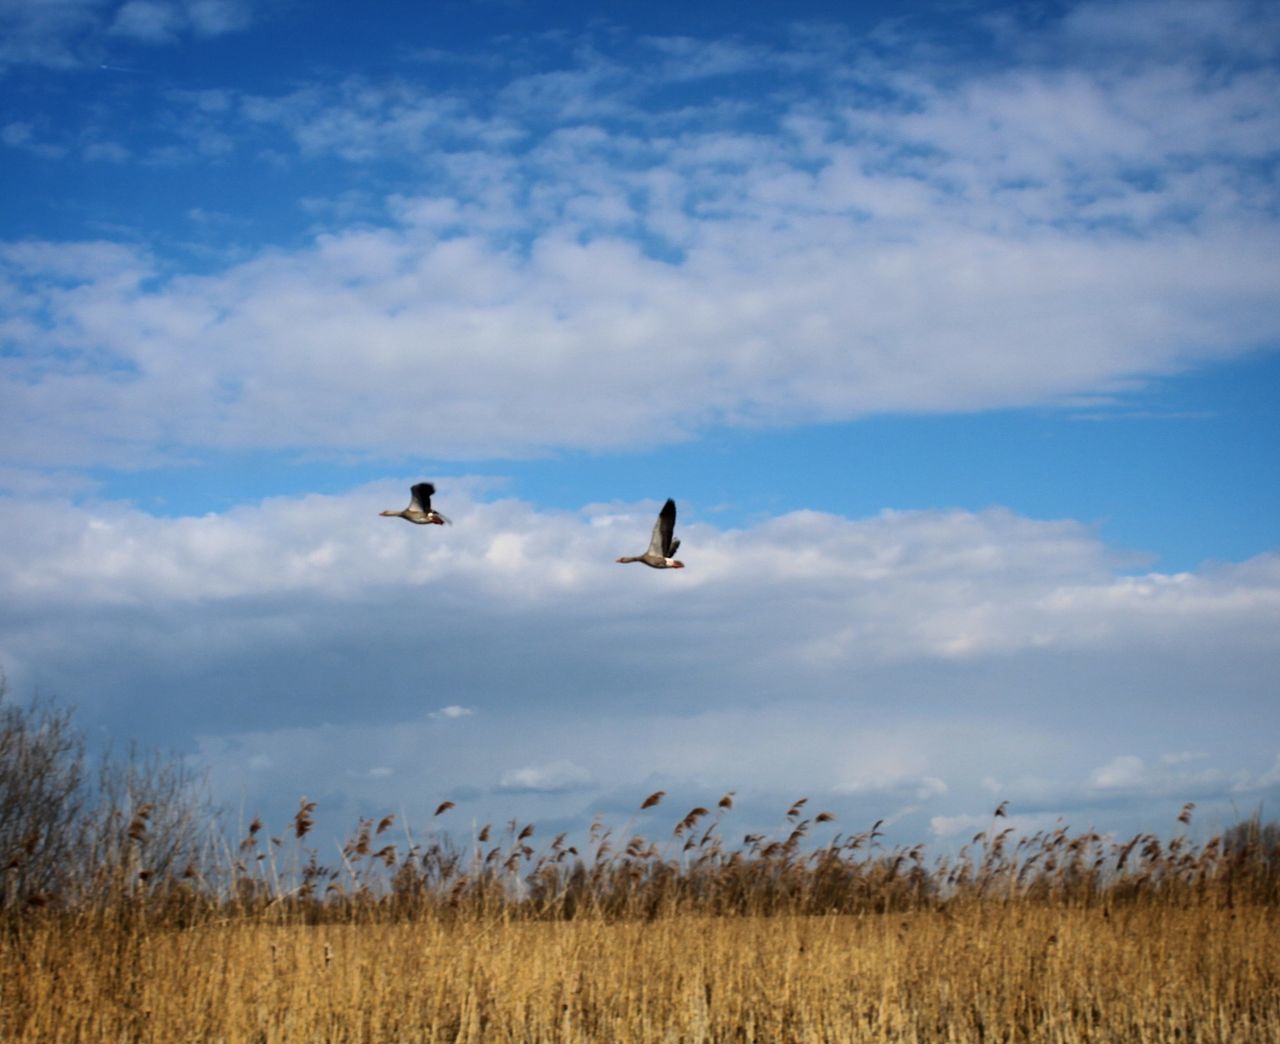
column 945, row 585
column 948, row 241
column 1112, row 793
column 22, row 135
column 69, row 34
column 1123, row 771
column 451, row 712
column 147, row 20
column 44, row 34
column 962, row 826
column 261, row 356
column 1271, row 777
column 1173, row 774
column 896, row 664
column 920, row 789
column 1220, row 26
column 553, row 777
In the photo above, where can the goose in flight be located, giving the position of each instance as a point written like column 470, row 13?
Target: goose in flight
column 419, row 509
column 663, row 544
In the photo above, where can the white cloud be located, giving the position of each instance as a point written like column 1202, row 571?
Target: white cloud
column 21, row 135
column 69, row 34
column 1035, row 234
column 1271, row 777
column 451, row 712
column 149, row 21
column 44, row 33
column 901, row 585
column 215, row 17
column 965, row 826
column 260, row 356
column 1123, row 771
column 887, row 666
column 552, row 777
column 919, row 789
column 1176, row 27
column 1173, row 776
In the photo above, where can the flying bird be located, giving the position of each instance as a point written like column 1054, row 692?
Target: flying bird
column 419, row 510
column 663, row 544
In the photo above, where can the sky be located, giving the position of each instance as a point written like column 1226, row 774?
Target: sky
column 953, row 329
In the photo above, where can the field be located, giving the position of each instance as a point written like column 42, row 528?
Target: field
column 1052, row 937
column 986, row 972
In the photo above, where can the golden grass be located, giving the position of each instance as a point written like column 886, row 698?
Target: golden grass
column 981, row 971
column 1052, row 937
column 133, row 917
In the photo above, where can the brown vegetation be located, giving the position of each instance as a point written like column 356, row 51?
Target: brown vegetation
column 1049, row 938
column 1029, row 972
column 143, row 932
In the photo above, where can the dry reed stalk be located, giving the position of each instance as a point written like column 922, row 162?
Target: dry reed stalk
column 1048, row 937
column 988, row 971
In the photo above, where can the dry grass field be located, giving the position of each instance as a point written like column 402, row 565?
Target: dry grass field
column 1053, row 937
column 983, row 972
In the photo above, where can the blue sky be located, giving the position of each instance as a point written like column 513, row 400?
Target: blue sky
column 952, row 328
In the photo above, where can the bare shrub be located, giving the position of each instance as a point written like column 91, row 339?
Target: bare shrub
column 42, row 800
column 142, row 824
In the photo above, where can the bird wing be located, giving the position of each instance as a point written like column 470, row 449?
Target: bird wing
column 422, row 496
column 663, row 541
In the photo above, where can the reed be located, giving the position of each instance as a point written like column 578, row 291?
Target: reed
column 1053, row 936
column 984, row 972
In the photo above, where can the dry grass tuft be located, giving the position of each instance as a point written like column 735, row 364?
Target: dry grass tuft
column 653, row 799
